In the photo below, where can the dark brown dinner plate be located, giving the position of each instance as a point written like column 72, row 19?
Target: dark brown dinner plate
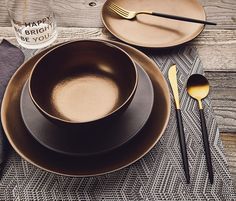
column 32, row 151
column 94, row 139
column 152, row 31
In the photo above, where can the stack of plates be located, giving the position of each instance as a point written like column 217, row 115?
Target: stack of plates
column 142, row 124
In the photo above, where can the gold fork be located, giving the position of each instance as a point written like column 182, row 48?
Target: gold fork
column 132, row 14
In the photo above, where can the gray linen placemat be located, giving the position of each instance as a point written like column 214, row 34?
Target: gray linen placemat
column 157, row 176
column 11, row 58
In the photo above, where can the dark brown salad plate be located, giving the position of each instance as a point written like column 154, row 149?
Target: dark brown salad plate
column 93, row 139
column 152, row 31
column 32, row 151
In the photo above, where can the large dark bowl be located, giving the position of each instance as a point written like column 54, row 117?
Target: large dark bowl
column 83, row 82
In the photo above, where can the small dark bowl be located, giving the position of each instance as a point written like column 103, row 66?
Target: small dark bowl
column 83, row 82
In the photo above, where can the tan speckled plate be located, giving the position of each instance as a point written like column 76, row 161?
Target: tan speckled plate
column 32, row 151
column 151, row 31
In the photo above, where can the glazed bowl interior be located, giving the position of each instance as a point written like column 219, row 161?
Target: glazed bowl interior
column 83, row 81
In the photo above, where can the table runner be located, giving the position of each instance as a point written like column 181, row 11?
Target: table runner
column 157, row 176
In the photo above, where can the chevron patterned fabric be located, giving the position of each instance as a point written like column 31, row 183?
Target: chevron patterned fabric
column 157, row 176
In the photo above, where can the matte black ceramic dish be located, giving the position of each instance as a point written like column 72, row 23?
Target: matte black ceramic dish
column 95, row 139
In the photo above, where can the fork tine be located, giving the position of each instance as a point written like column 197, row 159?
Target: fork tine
column 120, row 10
column 114, row 7
column 114, row 10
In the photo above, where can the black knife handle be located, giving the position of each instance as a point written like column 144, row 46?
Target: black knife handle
column 183, row 144
column 206, row 146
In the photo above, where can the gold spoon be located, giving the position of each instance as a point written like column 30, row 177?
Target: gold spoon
column 198, row 88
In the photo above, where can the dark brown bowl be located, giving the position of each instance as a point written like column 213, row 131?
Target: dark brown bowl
column 83, row 82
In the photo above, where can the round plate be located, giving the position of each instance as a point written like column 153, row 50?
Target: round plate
column 114, row 134
column 152, row 31
column 32, row 151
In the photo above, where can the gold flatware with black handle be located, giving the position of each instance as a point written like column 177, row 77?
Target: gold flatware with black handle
column 172, row 75
column 198, row 88
column 127, row 14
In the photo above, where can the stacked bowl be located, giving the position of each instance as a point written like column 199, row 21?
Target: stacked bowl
column 82, row 89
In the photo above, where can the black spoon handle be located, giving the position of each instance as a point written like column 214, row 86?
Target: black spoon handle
column 206, row 145
column 186, row 19
column 182, row 144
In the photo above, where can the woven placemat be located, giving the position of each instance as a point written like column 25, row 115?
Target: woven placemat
column 157, row 176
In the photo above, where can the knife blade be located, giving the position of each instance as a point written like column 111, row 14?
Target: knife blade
column 174, row 85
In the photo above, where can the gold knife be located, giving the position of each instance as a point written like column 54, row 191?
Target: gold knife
column 172, row 75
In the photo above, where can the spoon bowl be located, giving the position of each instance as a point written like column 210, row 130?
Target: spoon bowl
column 198, row 87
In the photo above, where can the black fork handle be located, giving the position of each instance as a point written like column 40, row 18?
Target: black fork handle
column 186, row 19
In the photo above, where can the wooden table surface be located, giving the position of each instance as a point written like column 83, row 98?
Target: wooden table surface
column 216, row 46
